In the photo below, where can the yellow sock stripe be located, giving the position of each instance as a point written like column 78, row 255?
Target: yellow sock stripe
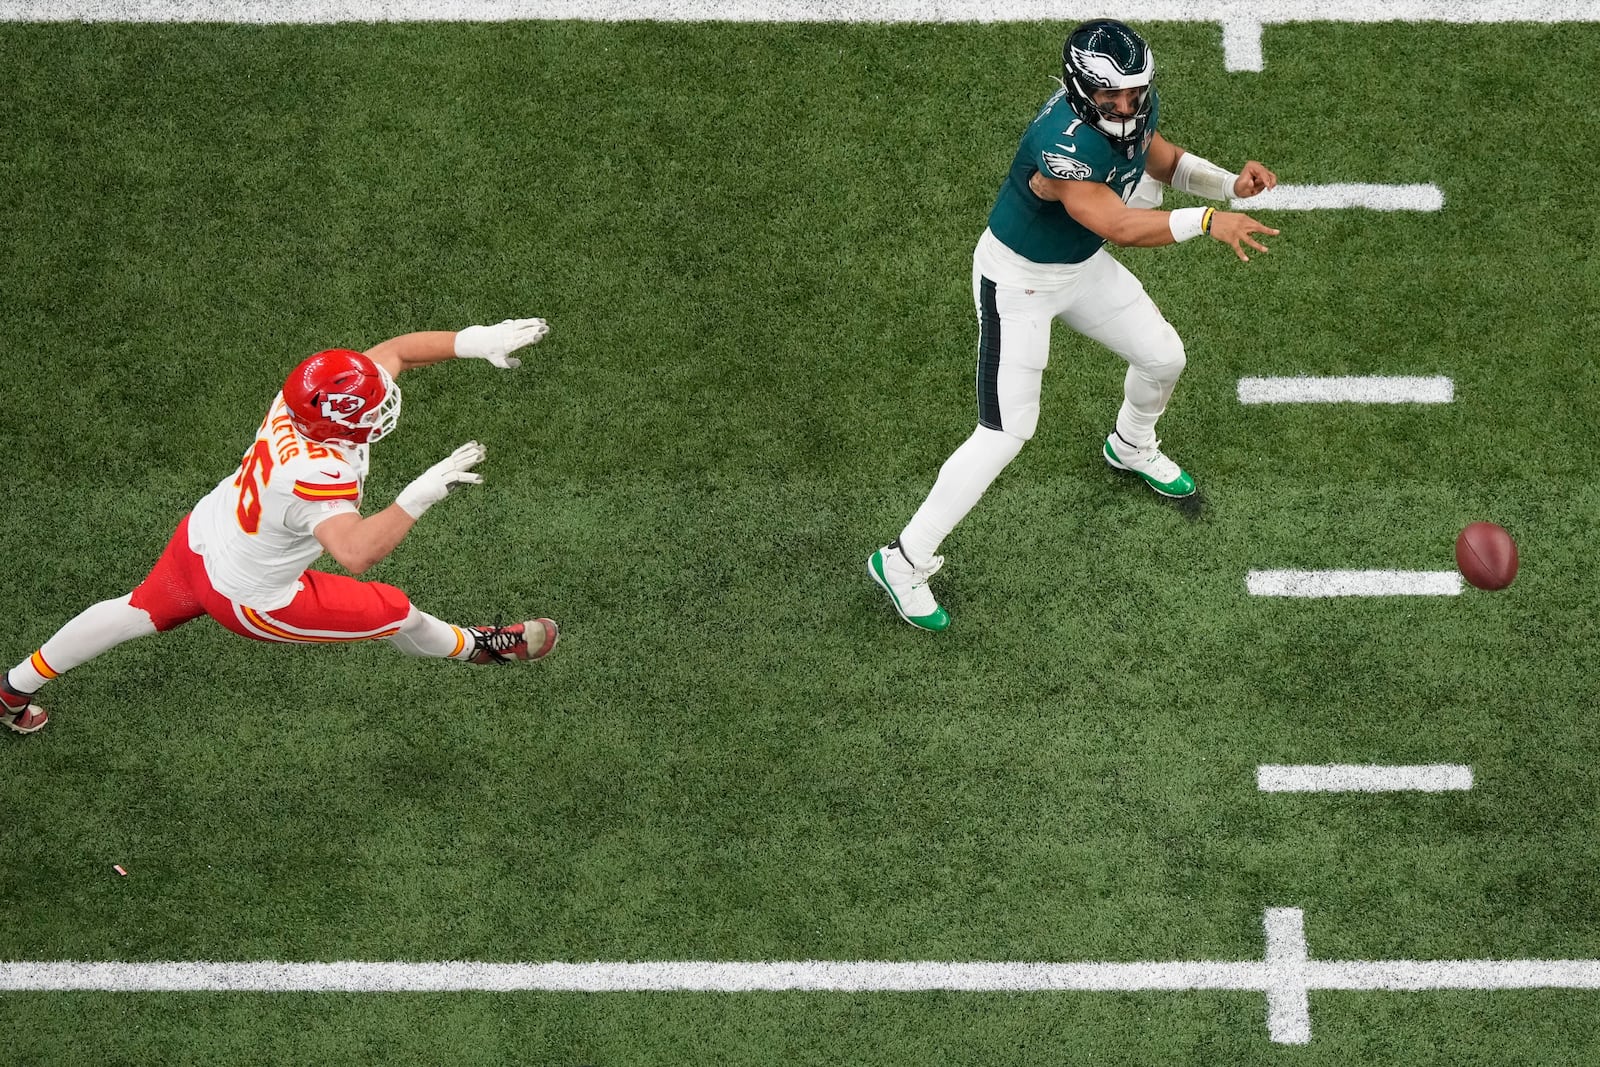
column 461, row 642
column 37, row 659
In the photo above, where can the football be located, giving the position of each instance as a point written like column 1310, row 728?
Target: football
column 1486, row 556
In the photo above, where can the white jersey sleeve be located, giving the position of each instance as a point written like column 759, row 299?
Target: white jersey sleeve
column 255, row 529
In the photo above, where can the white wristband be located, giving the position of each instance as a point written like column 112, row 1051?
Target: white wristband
column 1201, row 177
column 1187, row 222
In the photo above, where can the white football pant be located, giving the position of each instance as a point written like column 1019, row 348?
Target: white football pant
column 1016, row 302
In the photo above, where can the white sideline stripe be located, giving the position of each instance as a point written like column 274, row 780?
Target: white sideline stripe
column 1421, row 197
column 1223, row 11
column 684, row 976
column 1413, row 976
column 1286, row 976
column 1241, row 46
column 819, row 976
column 1370, row 389
column 1288, row 995
column 1353, row 583
column 1362, row 778
column 815, row 976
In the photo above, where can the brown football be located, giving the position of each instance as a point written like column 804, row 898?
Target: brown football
column 1486, row 556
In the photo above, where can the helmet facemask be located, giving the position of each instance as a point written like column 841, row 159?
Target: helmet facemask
column 386, row 416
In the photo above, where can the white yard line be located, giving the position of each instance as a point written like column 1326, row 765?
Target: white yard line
column 1373, row 389
column 1227, row 12
column 1353, row 583
column 1241, row 46
column 1286, row 975
column 1343, row 195
column 1288, row 989
column 1362, row 778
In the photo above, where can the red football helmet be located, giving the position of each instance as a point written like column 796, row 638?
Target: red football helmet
column 340, row 395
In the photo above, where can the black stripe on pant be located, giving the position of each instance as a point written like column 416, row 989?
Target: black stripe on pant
column 988, row 356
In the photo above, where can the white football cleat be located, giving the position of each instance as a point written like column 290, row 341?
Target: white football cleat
column 907, row 586
column 1149, row 463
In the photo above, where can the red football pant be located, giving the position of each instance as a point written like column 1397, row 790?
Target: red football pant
column 329, row 607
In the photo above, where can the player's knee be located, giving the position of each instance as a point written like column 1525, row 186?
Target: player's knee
column 1018, row 428
column 1168, row 358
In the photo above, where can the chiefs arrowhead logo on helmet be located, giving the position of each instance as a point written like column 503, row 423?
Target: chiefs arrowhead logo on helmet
column 340, row 406
column 341, row 395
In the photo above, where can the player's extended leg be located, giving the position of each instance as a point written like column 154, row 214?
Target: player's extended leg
column 165, row 599
column 92, row 631
column 1013, row 349
column 1120, row 315
column 423, row 635
column 338, row 608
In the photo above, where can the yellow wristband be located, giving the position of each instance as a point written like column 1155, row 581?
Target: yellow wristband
column 1205, row 220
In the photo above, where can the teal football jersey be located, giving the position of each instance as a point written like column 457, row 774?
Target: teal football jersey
column 1059, row 144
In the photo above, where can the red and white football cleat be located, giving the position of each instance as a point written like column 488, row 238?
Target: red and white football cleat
column 502, row 644
column 18, row 711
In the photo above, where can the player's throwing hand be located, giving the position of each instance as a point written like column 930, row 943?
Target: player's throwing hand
column 496, row 343
column 1235, row 229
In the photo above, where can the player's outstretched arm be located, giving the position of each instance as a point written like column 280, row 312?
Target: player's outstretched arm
column 493, row 343
column 357, row 543
column 1188, row 173
column 1097, row 208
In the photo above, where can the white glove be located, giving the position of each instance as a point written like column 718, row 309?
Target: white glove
column 435, row 483
column 496, row 343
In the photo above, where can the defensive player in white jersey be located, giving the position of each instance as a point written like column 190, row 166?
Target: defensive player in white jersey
column 241, row 556
column 1076, row 182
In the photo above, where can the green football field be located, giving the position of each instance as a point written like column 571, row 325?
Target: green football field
column 753, row 243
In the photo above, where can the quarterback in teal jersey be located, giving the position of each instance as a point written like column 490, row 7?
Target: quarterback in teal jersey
column 1061, row 146
column 1081, row 177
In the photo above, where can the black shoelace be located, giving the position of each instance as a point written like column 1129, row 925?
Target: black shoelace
column 497, row 640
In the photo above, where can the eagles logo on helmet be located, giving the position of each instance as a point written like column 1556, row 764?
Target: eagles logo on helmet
column 1107, row 54
column 341, row 395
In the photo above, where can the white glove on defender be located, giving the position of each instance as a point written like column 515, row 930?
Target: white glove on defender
column 435, row 483
column 496, row 343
